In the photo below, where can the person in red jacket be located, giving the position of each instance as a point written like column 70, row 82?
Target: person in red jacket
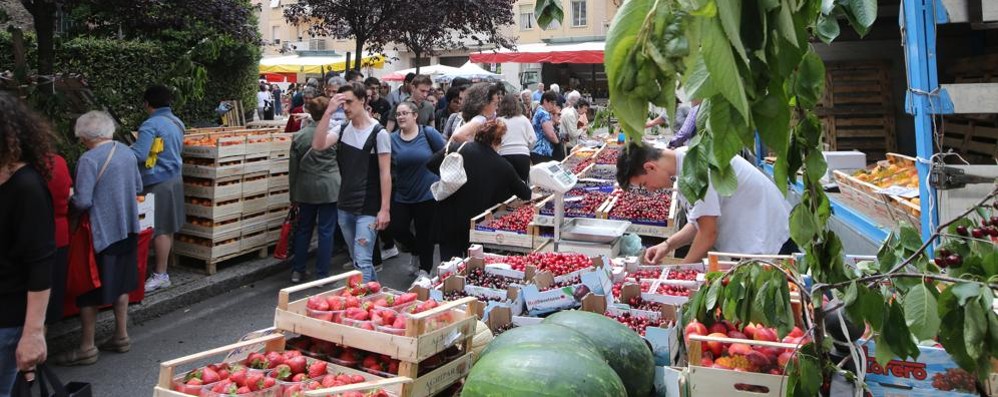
column 59, row 183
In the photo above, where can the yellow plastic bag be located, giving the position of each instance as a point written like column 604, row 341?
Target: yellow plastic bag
column 154, row 151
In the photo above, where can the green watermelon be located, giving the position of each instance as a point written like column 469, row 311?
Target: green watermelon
column 545, row 371
column 622, row 348
column 540, row 334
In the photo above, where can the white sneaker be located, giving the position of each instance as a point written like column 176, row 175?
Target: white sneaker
column 157, row 281
column 389, row 253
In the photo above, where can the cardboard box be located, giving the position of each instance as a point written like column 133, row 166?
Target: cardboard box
column 844, row 161
column 909, row 377
column 538, row 301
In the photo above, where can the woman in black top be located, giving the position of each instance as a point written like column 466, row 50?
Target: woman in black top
column 491, row 180
column 27, row 239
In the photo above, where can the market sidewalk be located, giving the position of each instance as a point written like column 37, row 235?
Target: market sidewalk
column 191, row 288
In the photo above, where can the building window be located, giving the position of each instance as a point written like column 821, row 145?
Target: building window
column 579, row 13
column 526, row 17
column 275, row 3
column 275, row 34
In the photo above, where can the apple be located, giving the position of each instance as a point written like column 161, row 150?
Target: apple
column 758, row 359
column 749, row 330
column 694, row 328
column 714, row 347
column 739, row 349
column 784, row 358
column 765, row 334
column 736, row 335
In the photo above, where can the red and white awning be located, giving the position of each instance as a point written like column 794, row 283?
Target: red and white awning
column 582, row 53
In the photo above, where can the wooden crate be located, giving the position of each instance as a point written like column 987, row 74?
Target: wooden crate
column 255, row 184
column 255, row 204
column 214, row 210
column 278, row 180
column 168, row 372
column 212, row 169
column 645, row 228
column 206, row 250
column 975, row 140
column 418, row 344
column 482, row 234
column 280, row 143
column 222, row 229
column 210, row 147
column 279, row 198
column 704, row 381
column 276, row 216
column 852, row 83
column 867, row 197
column 254, row 222
column 873, row 134
column 256, row 162
column 253, row 240
column 215, row 189
column 258, row 143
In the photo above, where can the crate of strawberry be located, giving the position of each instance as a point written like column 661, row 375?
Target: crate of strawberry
column 260, row 374
column 402, row 326
column 384, row 388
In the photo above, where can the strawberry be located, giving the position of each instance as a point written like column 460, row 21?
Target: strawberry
column 382, row 302
column 268, row 383
column 399, row 322
column 194, row 382
column 298, row 378
column 355, row 280
column 328, row 381
column 254, row 381
column 393, row 367
column 371, row 362
column 388, row 316
column 297, row 364
column 352, row 394
column 243, row 390
column 378, row 393
column 348, row 356
column 368, row 326
column 356, row 379
column 317, row 369
column 257, row 361
column 344, row 379
column 195, row 374
column 335, row 302
column 291, row 354
column 209, row 376
column 313, row 302
column 223, row 373
column 282, row 372
column 373, row 286
column 239, row 376
column 406, row 298
column 275, row 359
column 352, row 301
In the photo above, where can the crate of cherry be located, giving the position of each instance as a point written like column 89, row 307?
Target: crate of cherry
column 650, row 213
column 507, row 224
column 579, row 203
column 369, row 319
column 485, row 285
column 267, row 371
column 548, row 293
column 725, row 359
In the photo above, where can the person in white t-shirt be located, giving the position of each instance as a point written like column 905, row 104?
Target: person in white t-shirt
column 365, row 158
column 753, row 220
column 263, row 99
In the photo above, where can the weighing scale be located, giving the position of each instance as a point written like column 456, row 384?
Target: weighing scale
column 582, row 235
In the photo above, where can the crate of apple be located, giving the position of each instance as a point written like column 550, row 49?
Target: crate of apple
column 753, row 348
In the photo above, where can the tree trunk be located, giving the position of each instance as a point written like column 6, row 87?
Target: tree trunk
column 43, row 14
column 359, row 55
column 419, row 57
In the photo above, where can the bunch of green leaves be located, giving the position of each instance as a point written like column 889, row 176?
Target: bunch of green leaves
column 978, row 256
column 547, row 12
column 751, row 292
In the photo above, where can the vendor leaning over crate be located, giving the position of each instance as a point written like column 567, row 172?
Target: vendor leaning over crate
column 158, row 147
column 364, row 156
column 753, row 220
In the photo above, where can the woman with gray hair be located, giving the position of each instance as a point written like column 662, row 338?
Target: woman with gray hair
column 527, row 104
column 107, row 181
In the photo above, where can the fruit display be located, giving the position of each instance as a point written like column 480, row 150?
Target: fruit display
column 581, row 166
column 557, row 263
column 682, row 274
column 673, row 290
column 605, row 174
column 744, row 356
column 514, row 221
column 212, row 140
column 194, row 381
column 652, row 208
column 636, row 323
column 480, row 277
column 241, row 381
column 578, row 203
column 455, row 295
column 622, row 349
column 640, row 304
column 646, row 273
column 556, row 369
column 562, row 284
column 323, row 382
column 608, row 156
column 885, row 175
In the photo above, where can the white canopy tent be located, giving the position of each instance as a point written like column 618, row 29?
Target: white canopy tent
column 433, row 71
column 469, row 71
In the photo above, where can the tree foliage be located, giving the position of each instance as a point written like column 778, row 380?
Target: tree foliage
column 365, row 21
column 432, row 25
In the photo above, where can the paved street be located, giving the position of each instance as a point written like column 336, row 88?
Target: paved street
column 212, row 323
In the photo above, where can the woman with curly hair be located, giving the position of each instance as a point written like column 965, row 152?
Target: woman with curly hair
column 491, row 180
column 27, row 239
column 481, row 101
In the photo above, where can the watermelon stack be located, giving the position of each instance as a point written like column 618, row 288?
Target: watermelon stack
column 572, row 353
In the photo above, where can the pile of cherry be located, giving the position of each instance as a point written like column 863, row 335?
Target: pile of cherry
column 638, row 324
column 602, row 174
column 640, row 304
column 608, row 156
column 645, row 287
column 652, row 208
column 673, row 290
column 515, row 221
column 555, row 262
column 582, row 165
column 685, row 275
column 485, row 279
column 642, row 274
column 586, row 207
column 566, row 283
column 455, row 295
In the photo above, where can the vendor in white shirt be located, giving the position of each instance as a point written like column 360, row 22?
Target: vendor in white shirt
column 753, row 220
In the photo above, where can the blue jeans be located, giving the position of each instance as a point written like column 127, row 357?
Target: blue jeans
column 8, row 361
column 322, row 216
column 359, row 234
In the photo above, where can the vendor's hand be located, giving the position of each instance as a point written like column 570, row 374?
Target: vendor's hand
column 382, row 221
column 31, row 350
column 655, row 254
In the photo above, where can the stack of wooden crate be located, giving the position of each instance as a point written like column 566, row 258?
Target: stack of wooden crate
column 857, row 110
column 974, row 136
column 231, row 196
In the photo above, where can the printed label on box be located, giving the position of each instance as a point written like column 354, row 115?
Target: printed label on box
column 917, row 377
column 552, row 300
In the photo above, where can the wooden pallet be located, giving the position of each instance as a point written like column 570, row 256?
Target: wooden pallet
column 974, row 139
column 871, row 133
column 236, row 116
column 851, row 83
column 181, row 250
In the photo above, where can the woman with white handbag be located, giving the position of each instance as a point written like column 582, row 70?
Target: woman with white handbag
column 488, row 179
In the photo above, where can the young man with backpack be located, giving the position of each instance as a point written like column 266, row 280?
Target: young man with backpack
column 364, row 151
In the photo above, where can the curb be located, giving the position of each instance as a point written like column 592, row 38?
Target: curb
column 65, row 334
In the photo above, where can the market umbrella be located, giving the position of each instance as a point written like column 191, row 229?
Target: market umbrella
column 471, row 72
column 313, row 64
column 433, row 71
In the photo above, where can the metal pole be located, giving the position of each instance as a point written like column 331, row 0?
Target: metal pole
column 559, row 217
column 918, row 27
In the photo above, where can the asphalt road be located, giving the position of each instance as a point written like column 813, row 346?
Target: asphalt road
column 212, row 323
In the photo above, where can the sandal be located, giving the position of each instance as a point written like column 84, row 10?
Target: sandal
column 116, row 345
column 77, row 357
